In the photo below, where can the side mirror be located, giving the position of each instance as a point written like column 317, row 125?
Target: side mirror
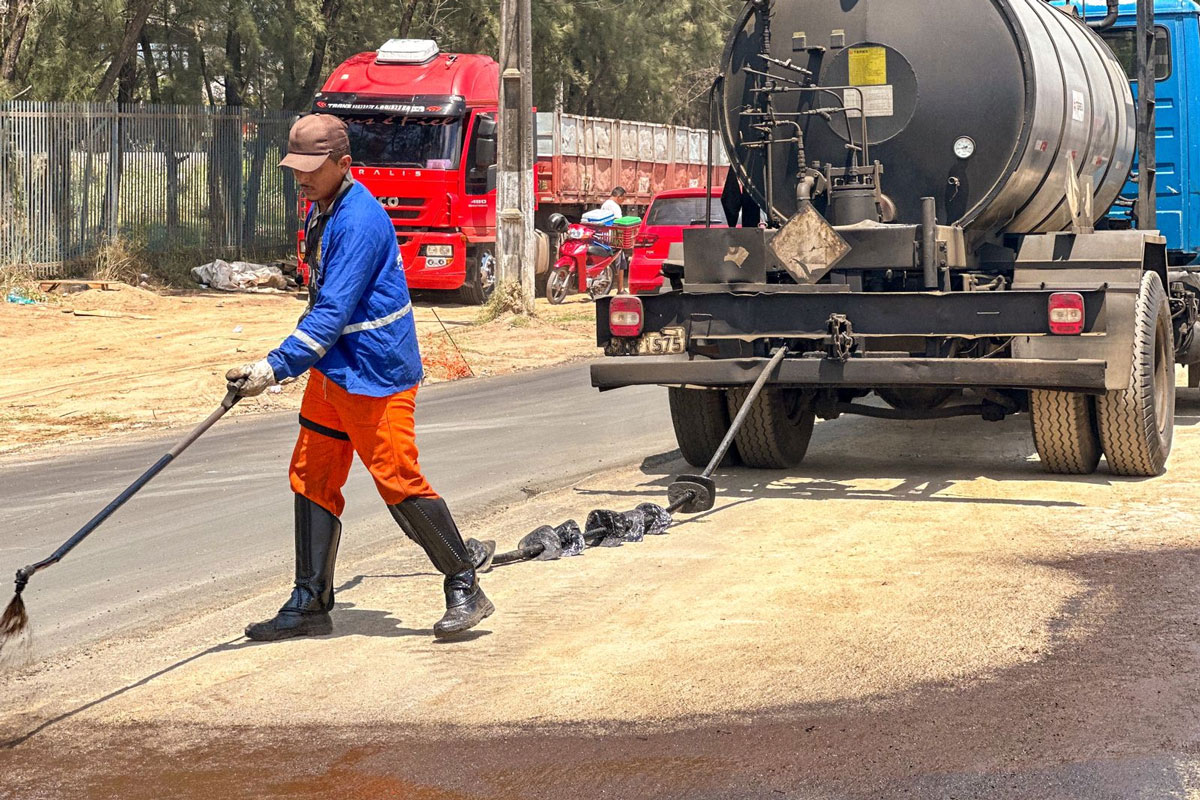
column 491, row 178
column 485, row 141
column 485, row 127
column 485, row 152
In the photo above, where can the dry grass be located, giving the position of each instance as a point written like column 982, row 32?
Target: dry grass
column 506, row 299
column 19, row 280
column 118, row 260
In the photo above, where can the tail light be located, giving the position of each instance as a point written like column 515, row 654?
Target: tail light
column 625, row 316
column 646, row 240
column 1066, row 313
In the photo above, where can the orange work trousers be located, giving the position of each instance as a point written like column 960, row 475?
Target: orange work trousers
column 334, row 425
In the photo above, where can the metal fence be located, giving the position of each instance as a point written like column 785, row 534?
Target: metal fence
column 191, row 181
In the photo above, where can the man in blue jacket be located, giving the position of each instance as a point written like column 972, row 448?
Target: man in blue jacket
column 358, row 342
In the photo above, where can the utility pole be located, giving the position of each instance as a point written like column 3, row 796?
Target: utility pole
column 515, row 242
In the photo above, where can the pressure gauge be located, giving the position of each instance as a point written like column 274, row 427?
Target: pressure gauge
column 964, row 147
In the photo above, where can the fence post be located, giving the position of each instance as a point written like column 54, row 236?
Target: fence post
column 240, row 164
column 114, row 169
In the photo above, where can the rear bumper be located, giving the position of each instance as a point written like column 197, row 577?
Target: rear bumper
column 745, row 321
column 1084, row 375
column 645, row 272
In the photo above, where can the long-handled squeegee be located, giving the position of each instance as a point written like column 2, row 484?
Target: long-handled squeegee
column 695, row 494
column 691, row 494
column 15, row 619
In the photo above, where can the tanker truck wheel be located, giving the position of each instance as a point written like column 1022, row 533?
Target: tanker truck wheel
column 776, row 433
column 481, row 277
column 701, row 420
column 1064, row 431
column 1137, row 423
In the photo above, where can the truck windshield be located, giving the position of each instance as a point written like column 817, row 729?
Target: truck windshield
column 683, row 211
column 428, row 143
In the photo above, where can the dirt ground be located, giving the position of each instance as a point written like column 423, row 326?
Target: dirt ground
column 918, row 611
column 153, row 361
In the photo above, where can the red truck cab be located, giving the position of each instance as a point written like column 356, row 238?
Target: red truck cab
column 422, row 127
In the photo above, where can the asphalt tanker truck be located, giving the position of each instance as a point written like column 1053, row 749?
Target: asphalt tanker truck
column 959, row 204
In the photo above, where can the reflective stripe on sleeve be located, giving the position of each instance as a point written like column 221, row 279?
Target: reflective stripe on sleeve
column 309, row 342
column 378, row 323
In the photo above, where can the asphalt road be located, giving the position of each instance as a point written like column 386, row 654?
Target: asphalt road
column 916, row 611
column 218, row 521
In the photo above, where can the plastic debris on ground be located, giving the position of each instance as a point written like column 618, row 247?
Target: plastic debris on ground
column 571, row 538
column 547, row 538
column 240, row 276
column 657, row 519
column 617, row 525
column 20, row 299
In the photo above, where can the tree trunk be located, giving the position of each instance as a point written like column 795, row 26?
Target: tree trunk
column 12, row 50
column 133, row 32
column 258, row 157
column 316, row 66
column 235, row 79
column 151, row 69
column 127, row 82
column 406, row 20
column 196, row 51
column 229, row 133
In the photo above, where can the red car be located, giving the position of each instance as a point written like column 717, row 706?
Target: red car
column 669, row 215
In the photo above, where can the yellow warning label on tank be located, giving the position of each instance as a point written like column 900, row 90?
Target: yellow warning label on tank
column 868, row 66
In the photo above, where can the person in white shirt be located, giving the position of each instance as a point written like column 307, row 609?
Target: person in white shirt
column 613, row 206
column 613, row 203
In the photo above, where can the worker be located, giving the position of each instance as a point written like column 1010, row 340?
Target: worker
column 621, row 263
column 358, row 342
column 613, row 204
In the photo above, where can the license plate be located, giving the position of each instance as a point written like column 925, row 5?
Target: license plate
column 667, row 342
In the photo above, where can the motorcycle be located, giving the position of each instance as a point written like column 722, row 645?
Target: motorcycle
column 587, row 262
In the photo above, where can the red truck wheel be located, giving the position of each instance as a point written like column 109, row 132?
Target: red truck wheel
column 481, row 276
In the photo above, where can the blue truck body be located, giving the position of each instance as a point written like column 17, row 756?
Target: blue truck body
column 1177, row 137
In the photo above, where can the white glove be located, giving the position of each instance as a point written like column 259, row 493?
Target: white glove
column 251, row 379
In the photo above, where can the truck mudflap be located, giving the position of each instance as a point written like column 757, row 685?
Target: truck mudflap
column 1080, row 375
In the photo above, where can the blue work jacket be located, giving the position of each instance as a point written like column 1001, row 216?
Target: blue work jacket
column 359, row 331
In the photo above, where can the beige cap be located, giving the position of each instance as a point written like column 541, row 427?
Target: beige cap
column 312, row 139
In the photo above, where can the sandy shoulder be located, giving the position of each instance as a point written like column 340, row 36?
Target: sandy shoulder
column 154, row 361
column 850, row 583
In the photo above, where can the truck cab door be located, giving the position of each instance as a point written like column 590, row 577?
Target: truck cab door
column 1177, row 42
column 479, row 177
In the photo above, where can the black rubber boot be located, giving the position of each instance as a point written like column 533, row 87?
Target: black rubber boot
column 306, row 613
column 427, row 521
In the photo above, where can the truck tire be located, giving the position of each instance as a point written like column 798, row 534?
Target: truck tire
column 701, row 421
column 481, row 277
column 1137, row 424
column 776, row 433
column 1064, row 431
